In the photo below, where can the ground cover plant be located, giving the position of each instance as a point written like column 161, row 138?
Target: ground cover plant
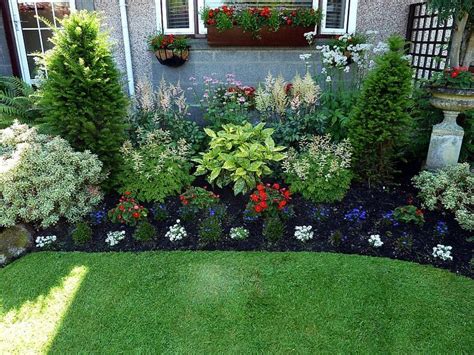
column 231, row 302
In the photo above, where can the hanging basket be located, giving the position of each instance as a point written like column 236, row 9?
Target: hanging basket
column 172, row 58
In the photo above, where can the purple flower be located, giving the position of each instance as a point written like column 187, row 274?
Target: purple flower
column 356, row 215
column 441, row 228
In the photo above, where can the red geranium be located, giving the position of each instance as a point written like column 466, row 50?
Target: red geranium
column 128, row 211
column 269, row 199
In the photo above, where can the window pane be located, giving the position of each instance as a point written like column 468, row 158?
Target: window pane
column 292, row 4
column 32, row 41
column 27, row 15
column 335, row 13
column 177, row 13
column 32, row 66
column 61, row 9
column 45, row 11
column 45, row 36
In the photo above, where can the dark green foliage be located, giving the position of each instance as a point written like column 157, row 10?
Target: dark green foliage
column 409, row 214
column 273, row 229
column 467, row 149
column 379, row 125
column 160, row 212
column 82, row 234
column 336, row 239
column 82, row 98
column 144, row 232
column 17, row 101
column 210, row 229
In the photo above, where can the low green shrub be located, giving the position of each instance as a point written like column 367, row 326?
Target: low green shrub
column 409, row 214
column 144, row 231
column 273, row 229
column 320, row 171
column 156, row 168
column 42, row 179
column 451, row 188
column 210, row 229
column 82, row 234
column 239, row 155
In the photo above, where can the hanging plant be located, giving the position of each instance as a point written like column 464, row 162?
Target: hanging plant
column 170, row 50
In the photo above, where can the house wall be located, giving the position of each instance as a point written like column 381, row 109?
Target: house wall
column 250, row 64
column 5, row 63
column 385, row 16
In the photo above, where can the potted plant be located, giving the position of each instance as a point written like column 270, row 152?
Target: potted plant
column 252, row 26
column 170, row 50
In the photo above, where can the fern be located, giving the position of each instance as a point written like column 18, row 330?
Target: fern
column 17, row 101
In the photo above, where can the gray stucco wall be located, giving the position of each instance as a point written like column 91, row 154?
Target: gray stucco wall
column 5, row 64
column 251, row 65
column 385, row 16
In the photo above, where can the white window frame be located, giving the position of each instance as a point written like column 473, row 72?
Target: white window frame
column 350, row 18
column 19, row 40
column 162, row 20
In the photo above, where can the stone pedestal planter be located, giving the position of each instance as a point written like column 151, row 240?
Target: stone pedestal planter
column 446, row 137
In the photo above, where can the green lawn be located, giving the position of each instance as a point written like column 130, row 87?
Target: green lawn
column 210, row 302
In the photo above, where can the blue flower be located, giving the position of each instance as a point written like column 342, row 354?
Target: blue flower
column 441, row 228
column 389, row 216
column 211, row 212
column 98, row 217
column 356, row 215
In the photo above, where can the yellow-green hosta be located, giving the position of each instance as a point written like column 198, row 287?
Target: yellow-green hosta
column 239, row 155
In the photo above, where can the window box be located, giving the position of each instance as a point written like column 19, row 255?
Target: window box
column 286, row 36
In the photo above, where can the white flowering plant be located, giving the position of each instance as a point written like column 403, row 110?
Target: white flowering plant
column 239, row 233
column 157, row 167
column 375, row 241
column 320, row 171
column 442, row 252
column 166, row 109
column 304, row 233
column 45, row 241
column 176, row 232
column 115, row 237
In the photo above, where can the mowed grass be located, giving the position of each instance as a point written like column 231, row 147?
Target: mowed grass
column 230, row 302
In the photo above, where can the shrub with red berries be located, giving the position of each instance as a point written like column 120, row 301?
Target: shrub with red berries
column 455, row 78
column 128, row 211
column 269, row 200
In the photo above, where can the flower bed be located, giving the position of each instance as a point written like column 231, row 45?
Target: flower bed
column 350, row 226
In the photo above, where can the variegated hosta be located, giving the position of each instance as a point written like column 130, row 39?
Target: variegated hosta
column 239, row 155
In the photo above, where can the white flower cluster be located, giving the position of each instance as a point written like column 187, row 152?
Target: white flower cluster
column 176, row 232
column 442, row 252
column 45, row 241
column 375, row 241
column 239, row 233
column 304, row 233
column 113, row 238
column 3, row 259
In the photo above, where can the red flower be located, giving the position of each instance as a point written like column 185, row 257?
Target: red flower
column 260, row 187
column 289, row 22
column 185, row 202
column 211, row 13
column 128, row 193
column 136, row 215
column 263, row 204
column 454, row 74
column 263, row 195
column 293, row 13
column 121, row 207
column 282, row 204
column 181, row 197
column 258, row 209
column 276, row 186
column 136, row 207
column 288, row 88
column 419, row 212
column 254, row 197
column 287, row 194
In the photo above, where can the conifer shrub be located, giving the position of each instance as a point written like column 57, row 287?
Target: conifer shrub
column 82, row 97
column 379, row 125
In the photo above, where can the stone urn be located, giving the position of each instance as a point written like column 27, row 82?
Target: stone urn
column 446, row 137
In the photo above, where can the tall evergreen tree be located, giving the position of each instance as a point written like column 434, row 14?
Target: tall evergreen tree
column 82, row 97
column 379, row 125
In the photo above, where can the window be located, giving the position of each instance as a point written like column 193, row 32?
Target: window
column 31, row 34
column 179, row 16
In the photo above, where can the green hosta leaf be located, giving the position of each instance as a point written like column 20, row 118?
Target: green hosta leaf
column 279, row 156
column 229, row 165
column 255, row 166
column 210, row 132
column 214, row 174
column 239, row 186
column 240, row 172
